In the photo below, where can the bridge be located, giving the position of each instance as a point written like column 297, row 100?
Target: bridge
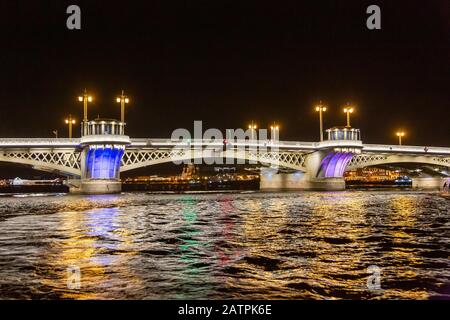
column 94, row 162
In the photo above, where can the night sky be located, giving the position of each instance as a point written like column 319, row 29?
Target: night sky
column 226, row 63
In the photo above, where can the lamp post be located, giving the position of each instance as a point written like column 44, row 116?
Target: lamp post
column 274, row 132
column 348, row 109
column 122, row 100
column 400, row 135
column 70, row 121
column 85, row 98
column 252, row 126
column 321, row 108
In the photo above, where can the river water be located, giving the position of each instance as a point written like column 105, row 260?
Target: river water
column 302, row 245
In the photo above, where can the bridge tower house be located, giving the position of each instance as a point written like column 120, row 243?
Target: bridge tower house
column 103, row 144
column 325, row 166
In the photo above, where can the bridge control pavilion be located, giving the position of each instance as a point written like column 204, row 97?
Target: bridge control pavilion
column 102, row 147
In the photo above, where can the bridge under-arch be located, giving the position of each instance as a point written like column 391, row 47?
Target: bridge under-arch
column 370, row 160
column 139, row 158
column 64, row 161
column 67, row 160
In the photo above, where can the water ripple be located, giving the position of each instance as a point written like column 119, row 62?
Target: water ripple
column 304, row 245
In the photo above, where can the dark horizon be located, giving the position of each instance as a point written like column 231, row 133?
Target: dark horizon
column 228, row 64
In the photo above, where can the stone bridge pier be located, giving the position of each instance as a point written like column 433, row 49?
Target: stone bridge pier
column 103, row 146
column 428, row 183
column 325, row 167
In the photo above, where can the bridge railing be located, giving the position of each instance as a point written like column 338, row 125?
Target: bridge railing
column 168, row 143
column 39, row 142
column 405, row 149
column 215, row 143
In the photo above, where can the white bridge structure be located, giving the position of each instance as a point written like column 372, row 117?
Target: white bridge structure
column 93, row 162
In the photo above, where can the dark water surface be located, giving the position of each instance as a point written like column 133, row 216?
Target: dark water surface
column 307, row 245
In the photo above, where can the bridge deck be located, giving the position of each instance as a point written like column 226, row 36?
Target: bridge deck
column 381, row 148
column 39, row 143
column 11, row 143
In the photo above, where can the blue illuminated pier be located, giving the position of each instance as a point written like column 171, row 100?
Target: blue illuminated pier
column 103, row 148
column 103, row 162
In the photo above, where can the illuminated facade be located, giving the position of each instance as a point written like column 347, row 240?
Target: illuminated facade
column 103, row 148
column 103, row 162
column 371, row 174
column 333, row 165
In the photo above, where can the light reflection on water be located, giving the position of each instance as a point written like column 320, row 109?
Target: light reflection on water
column 262, row 245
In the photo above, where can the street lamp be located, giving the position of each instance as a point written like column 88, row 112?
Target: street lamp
column 122, row 100
column 70, row 121
column 321, row 108
column 348, row 109
column 274, row 131
column 400, row 135
column 252, row 126
column 85, row 98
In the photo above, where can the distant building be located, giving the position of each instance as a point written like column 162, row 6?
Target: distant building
column 189, row 171
column 371, row 174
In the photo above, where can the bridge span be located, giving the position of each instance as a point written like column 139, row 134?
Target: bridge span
column 96, row 160
column 36, row 143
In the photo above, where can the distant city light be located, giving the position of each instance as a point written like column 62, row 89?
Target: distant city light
column 400, row 135
column 321, row 108
column 70, row 121
column 348, row 110
column 122, row 99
